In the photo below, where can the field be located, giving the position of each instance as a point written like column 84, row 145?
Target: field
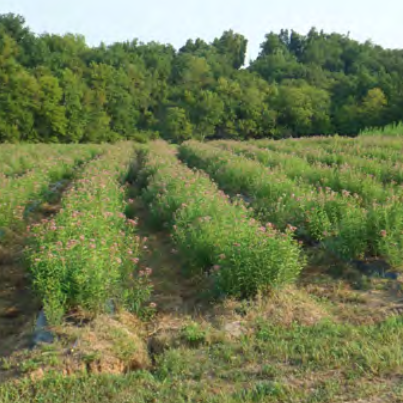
column 261, row 271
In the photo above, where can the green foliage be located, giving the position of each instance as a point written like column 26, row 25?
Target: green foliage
column 177, row 124
column 365, row 221
column 87, row 255
column 213, row 234
column 194, row 334
column 389, row 130
column 35, row 174
column 58, row 89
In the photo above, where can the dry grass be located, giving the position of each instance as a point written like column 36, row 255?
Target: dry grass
column 287, row 306
column 107, row 345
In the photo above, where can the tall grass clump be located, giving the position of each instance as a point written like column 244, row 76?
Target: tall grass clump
column 395, row 129
column 86, row 257
column 242, row 255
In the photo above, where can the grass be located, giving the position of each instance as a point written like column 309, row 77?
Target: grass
column 324, row 362
column 389, row 130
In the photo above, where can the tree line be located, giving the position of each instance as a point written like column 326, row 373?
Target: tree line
column 56, row 88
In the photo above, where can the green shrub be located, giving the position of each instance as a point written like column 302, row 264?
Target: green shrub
column 87, row 255
column 241, row 255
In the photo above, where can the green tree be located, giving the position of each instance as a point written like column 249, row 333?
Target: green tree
column 18, row 95
column 373, row 107
column 50, row 121
column 233, row 46
column 177, row 125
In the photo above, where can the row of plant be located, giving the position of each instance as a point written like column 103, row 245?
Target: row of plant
column 389, row 151
column 240, row 254
column 337, row 220
column 16, row 160
column 383, row 170
column 17, row 193
column 297, row 168
column 391, row 143
column 87, row 256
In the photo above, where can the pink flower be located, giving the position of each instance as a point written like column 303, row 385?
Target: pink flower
column 149, row 271
column 119, row 260
column 216, row 267
column 291, row 228
column 153, row 305
column 383, row 233
column 222, row 256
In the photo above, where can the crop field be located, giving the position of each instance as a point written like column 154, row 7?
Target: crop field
column 224, row 271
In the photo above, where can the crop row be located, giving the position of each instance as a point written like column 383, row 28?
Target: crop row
column 384, row 152
column 87, row 255
column 337, row 220
column 17, row 193
column 16, row 160
column 299, row 169
column 384, row 171
column 241, row 255
column 336, row 142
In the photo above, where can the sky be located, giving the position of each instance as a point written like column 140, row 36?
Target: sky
column 175, row 21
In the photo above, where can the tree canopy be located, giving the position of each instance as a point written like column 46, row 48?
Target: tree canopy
column 58, row 89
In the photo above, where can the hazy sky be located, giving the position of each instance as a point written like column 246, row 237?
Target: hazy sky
column 174, row 21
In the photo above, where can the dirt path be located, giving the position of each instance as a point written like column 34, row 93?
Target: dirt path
column 18, row 306
column 174, row 292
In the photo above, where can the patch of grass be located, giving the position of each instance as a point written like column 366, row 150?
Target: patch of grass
column 395, row 129
column 292, row 362
column 262, row 391
column 5, row 364
column 193, row 334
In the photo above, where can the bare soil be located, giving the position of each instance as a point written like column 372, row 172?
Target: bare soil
column 18, row 305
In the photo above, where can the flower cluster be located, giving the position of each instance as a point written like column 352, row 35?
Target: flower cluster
column 88, row 254
column 35, row 174
column 329, row 197
column 211, row 232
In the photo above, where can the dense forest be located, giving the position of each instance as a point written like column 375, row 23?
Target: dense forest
column 58, row 89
